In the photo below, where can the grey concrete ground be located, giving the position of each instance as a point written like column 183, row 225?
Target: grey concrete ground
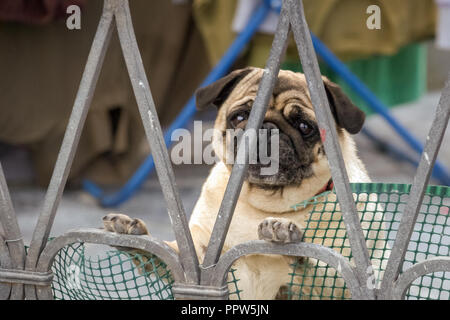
column 78, row 209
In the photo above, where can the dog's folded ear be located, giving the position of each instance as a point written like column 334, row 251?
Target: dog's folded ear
column 216, row 93
column 346, row 114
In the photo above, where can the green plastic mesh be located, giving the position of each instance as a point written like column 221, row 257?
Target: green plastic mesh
column 119, row 275
column 115, row 275
column 380, row 207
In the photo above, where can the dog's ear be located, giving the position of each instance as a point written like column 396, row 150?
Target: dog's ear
column 346, row 114
column 216, row 93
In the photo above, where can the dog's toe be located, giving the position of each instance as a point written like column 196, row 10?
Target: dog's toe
column 137, row 227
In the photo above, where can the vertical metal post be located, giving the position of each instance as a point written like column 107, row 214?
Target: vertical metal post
column 412, row 209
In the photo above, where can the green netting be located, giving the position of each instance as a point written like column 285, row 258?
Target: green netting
column 380, row 207
column 119, row 275
column 115, row 275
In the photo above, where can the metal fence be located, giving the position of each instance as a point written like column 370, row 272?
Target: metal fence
column 28, row 274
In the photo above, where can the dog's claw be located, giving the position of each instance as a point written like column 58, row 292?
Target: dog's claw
column 279, row 230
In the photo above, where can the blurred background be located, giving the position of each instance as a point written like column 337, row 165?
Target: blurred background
column 405, row 64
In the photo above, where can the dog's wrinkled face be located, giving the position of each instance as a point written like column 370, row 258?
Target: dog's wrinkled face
column 290, row 111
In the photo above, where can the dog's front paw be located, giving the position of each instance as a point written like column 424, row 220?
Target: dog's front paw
column 279, row 230
column 120, row 223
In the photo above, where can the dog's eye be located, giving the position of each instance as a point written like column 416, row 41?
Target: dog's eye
column 305, row 129
column 238, row 117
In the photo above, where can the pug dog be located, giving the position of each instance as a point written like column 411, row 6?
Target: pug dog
column 264, row 209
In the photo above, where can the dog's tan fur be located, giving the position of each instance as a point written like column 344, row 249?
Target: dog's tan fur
column 262, row 276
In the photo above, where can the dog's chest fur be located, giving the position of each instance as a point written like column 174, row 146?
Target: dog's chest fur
column 248, row 214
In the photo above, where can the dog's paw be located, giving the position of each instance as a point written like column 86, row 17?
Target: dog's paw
column 279, row 230
column 120, row 223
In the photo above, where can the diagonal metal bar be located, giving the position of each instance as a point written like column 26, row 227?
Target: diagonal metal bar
column 71, row 139
column 156, row 140
column 257, row 114
column 412, row 209
column 13, row 235
column 336, row 162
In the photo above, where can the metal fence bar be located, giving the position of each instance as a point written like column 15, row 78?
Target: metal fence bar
column 255, row 120
column 412, row 209
column 8, row 220
column 13, row 236
column 71, row 139
column 209, row 280
column 336, row 162
column 303, row 249
column 5, row 262
column 156, row 140
column 98, row 236
column 404, row 281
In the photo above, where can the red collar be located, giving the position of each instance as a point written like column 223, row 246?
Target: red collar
column 328, row 187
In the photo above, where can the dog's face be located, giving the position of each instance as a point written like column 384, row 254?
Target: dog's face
column 301, row 153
